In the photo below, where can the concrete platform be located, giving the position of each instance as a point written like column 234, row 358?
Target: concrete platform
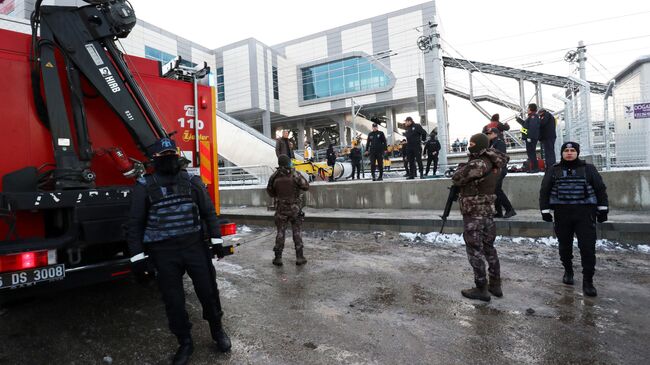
column 627, row 227
column 628, row 190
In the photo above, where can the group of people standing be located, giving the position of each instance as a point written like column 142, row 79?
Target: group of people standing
column 572, row 196
column 173, row 228
column 375, row 150
column 539, row 126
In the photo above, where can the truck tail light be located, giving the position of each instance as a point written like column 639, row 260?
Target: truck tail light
column 228, row 229
column 26, row 260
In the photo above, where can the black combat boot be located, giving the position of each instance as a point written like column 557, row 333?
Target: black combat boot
column 588, row 287
column 277, row 261
column 568, row 277
column 480, row 292
column 494, row 287
column 300, row 259
column 184, row 351
column 219, row 336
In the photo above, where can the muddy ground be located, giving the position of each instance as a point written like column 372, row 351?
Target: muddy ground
column 363, row 298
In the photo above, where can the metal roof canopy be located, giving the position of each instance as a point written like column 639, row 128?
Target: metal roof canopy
column 518, row 74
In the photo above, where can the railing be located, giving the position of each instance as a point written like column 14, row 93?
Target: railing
column 245, row 175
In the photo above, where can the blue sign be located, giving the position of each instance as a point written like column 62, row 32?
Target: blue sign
column 642, row 111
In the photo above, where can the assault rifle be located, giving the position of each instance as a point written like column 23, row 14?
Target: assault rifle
column 453, row 196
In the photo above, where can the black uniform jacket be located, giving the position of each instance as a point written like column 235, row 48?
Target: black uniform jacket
column 593, row 178
column 140, row 209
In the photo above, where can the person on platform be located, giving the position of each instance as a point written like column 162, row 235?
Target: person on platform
column 496, row 123
column 375, row 148
column 415, row 135
column 431, row 150
column 309, row 153
column 530, row 134
column 355, row 161
column 547, row 136
column 330, row 156
column 283, row 145
column 502, row 202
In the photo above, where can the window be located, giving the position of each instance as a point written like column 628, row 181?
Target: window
column 347, row 76
column 276, row 88
column 221, row 90
column 164, row 57
column 158, row 55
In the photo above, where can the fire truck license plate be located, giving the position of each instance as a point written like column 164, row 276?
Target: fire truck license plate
column 17, row 279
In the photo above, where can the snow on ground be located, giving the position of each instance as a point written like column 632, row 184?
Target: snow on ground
column 456, row 240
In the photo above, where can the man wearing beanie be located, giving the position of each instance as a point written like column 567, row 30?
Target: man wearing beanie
column 575, row 191
column 495, row 123
column 286, row 185
column 477, row 181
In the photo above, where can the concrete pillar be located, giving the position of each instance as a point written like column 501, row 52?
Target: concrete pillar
column 310, row 137
column 390, row 126
column 538, row 93
column 266, row 124
column 342, row 132
column 522, row 96
column 301, row 135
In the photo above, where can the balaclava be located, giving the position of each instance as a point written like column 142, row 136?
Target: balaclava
column 167, row 164
column 284, row 161
column 481, row 142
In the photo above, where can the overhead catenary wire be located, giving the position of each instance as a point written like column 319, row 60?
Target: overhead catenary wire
column 636, row 13
column 476, row 69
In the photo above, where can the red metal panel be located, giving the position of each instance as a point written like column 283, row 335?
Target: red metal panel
column 26, row 142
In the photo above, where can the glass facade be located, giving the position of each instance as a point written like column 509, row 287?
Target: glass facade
column 276, row 88
column 221, row 90
column 164, row 57
column 347, row 76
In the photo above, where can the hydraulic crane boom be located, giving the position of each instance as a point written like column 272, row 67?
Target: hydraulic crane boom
column 85, row 37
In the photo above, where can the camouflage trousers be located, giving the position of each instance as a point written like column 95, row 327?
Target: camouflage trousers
column 479, row 235
column 285, row 215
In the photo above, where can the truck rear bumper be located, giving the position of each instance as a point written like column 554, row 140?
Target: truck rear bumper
column 74, row 277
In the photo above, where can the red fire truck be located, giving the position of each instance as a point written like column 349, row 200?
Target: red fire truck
column 78, row 118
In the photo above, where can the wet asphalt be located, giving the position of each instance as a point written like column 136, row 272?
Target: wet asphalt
column 363, row 298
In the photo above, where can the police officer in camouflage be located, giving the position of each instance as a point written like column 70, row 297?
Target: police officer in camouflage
column 171, row 216
column 575, row 191
column 477, row 181
column 287, row 186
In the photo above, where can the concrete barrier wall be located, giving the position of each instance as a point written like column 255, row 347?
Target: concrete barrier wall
column 627, row 190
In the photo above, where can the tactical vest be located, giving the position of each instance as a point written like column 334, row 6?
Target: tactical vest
column 572, row 188
column 286, row 189
column 485, row 185
column 172, row 211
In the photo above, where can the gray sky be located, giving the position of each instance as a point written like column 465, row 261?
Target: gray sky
column 529, row 34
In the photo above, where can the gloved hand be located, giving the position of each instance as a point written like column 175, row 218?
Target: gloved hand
column 601, row 216
column 218, row 249
column 140, row 267
column 547, row 217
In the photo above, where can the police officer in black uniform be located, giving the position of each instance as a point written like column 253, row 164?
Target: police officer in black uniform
column 530, row 133
column 431, row 150
column 171, row 213
column 415, row 135
column 575, row 191
column 376, row 147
